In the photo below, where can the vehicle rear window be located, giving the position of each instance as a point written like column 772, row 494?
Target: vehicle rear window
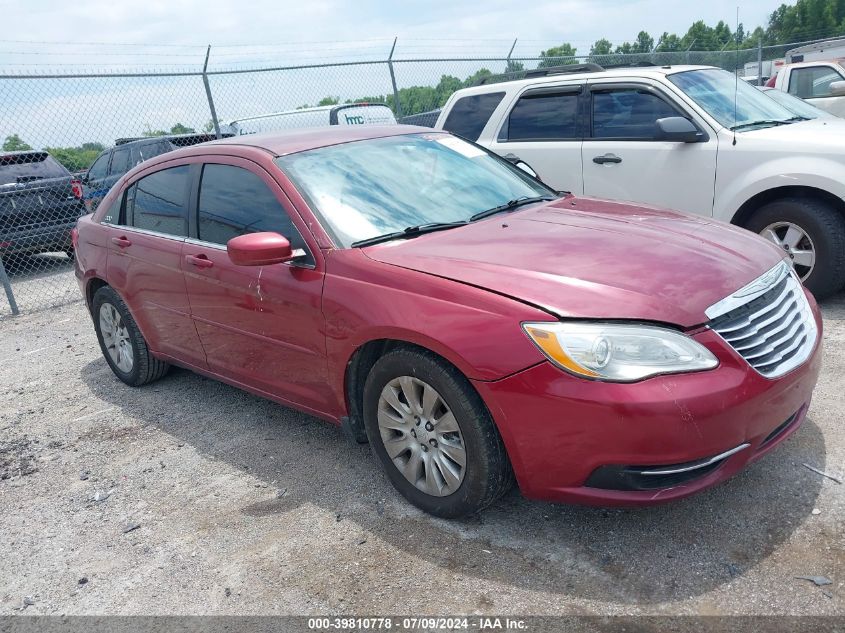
column 159, row 201
column 470, row 114
column 20, row 168
column 543, row 117
column 234, row 201
column 628, row 114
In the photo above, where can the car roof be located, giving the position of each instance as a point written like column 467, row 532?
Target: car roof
column 815, row 62
column 283, row 142
column 608, row 73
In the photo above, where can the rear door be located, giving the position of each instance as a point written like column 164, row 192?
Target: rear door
column 261, row 326
column 144, row 263
column 623, row 160
column 545, row 128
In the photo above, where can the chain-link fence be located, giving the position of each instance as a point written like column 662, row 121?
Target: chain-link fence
column 69, row 136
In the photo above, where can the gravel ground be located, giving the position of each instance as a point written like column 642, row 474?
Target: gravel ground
column 189, row 496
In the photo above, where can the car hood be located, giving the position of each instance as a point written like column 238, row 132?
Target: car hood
column 817, row 136
column 588, row 258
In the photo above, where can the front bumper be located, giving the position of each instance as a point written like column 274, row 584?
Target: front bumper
column 581, row 441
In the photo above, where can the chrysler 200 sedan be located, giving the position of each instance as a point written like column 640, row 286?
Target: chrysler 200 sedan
column 473, row 325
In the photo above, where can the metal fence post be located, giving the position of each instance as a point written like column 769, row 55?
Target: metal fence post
column 760, row 61
column 214, row 120
column 508, row 59
column 397, row 105
column 7, row 286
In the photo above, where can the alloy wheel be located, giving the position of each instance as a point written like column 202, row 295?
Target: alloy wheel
column 796, row 243
column 422, row 436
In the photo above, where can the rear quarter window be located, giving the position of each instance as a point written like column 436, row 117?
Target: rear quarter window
column 470, row 114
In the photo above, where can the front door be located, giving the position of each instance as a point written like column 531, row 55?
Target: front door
column 623, row 160
column 261, row 326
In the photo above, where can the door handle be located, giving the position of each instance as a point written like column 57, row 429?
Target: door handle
column 121, row 241
column 200, row 261
column 607, row 158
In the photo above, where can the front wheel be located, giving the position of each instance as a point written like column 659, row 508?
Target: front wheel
column 433, row 434
column 812, row 234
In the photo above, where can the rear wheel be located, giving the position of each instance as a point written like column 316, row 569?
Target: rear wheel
column 433, row 435
column 121, row 342
column 812, row 234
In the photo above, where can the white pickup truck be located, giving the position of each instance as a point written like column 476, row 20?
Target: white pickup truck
column 821, row 83
column 690, row 138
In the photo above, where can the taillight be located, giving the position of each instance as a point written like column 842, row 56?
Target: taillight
column 74, row 237
column 76, row 187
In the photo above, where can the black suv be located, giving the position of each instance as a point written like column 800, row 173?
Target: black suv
column 128, row 152
column 39, row 203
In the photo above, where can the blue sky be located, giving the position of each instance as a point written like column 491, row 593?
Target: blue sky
column 97, row 36
column 174, row 32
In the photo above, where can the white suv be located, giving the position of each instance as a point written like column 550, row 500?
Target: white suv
column 690, row 138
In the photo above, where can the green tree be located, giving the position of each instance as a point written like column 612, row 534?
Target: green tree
column 601, row 47
column 328, row 101
column 558, row 56
column 13, row 143
column 182, row 129
column 76, row 158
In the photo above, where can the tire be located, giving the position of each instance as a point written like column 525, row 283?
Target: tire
column 486, row 474
column 825, row 228
column 143, row 368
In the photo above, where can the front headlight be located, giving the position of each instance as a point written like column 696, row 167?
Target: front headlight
column 618, row 352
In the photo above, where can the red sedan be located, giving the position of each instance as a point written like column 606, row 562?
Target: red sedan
column 472, row 324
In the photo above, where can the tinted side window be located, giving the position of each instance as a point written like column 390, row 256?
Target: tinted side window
column 100, row 167
column 537, row 117
column 160, row 199
column 469, row 115
column 154, row 149
column 234, row 201
column 812, row 81
column 119, row 162
column 628, row 114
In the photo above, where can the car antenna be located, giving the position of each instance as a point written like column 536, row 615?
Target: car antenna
column 736, row 70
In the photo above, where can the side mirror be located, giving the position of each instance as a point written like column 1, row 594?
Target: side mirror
column 837, row 89
column 259, row 249
column 516, row 161
column 678, row 129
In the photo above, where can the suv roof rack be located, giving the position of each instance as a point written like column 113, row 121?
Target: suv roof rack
column 643, row 64
column 566, row 69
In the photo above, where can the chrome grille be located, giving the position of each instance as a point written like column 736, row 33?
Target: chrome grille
column 768, row 322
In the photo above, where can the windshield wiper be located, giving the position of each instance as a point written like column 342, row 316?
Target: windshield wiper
column 509, row 206
column 743, row 126
column 410, row 231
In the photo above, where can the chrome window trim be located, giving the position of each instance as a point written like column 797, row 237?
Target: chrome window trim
column 134, row 229
column 750, row 291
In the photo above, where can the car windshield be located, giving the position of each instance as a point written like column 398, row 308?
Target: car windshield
column 732, row 102
column 374, row 187
column 794, row 104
